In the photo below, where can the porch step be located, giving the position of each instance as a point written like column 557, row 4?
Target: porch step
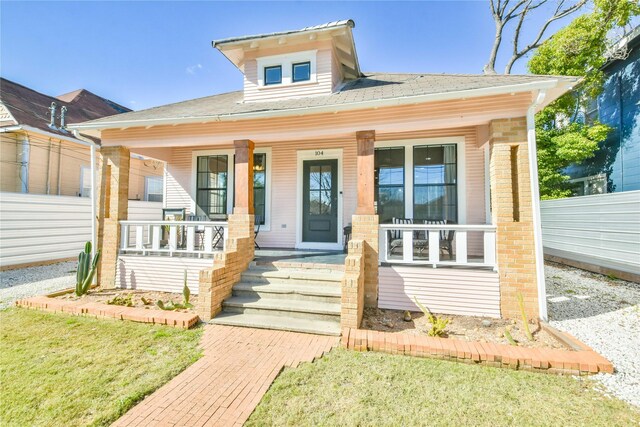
column 303, row 276
column 289, row 290
column 266, row 321
column 283, row 307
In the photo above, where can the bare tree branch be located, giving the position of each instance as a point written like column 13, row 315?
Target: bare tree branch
column 504, row 11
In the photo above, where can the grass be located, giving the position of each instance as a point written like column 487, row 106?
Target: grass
column 374, row 389
column 58, row 370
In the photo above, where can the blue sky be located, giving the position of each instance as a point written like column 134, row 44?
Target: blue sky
column 143, row 54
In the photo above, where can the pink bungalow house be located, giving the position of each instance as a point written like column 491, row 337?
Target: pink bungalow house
column 427, row 181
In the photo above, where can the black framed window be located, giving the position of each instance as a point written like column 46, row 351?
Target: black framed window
column 389, row 183
column 301, row 72
column 435, row 188
column 260, row 185
column 212, row 179
column 273, row 75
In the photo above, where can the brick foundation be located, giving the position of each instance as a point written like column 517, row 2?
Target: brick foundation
column 216, row 283
column 352, row 300
column 365, row 229
column 113, row 206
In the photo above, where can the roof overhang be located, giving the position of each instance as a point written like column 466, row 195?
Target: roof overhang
column 237, row 49
column 554, row 88
column 31, row 129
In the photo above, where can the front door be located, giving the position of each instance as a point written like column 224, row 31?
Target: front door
column 320, row 201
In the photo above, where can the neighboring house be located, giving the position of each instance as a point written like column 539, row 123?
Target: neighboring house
column 45, row 175
column 600, row 231
column 432, row 173
column 615, row 167
column 40, row 156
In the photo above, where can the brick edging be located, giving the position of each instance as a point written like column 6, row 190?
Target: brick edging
column 582, row 362
column 99, row 310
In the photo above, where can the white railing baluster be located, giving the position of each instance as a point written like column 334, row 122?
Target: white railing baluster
column 208, row 239
column 124, row 236
column 434, row 247
column 463, row 251
column 191, row 237
column 461, row 247
column 173, row 237
column 490, row 248
column 155, row 237
column 139, row 237
column 407, row 245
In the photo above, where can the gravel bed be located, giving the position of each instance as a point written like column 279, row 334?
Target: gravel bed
column 31, row 281
column 604, row 313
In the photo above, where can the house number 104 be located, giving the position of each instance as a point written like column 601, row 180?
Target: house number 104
column 319, row 153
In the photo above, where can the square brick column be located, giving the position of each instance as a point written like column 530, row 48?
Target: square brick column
column 216, row 284
column 512, row 213
column 365, row 221
column 113, row 206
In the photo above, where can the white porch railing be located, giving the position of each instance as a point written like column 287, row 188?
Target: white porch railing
column 173, row 237
column 411, row 244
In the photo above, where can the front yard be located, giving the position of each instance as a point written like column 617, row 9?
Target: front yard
column 374, row 389
column 59, row 370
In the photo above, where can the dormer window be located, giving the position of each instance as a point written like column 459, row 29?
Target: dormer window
column 301, row 72
column 273, row 75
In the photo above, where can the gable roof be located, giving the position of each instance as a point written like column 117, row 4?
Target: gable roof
column 375, row 89
column 31, row 108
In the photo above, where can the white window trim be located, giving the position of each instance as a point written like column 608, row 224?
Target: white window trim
column 146, row 187
column 461, row 178
column 81, row 192
column 231, row 180
column 318, row 154
column 286, row 61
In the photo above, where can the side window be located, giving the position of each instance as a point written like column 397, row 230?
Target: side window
column 153, row 188
column 85, row 181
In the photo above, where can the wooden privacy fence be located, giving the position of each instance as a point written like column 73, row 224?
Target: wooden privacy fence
column 599, row 232
column 39, row 228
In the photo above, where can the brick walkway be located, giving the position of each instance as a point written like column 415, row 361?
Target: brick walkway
column 226, row 384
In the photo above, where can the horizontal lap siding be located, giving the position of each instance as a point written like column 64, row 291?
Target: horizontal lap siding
column 158, row 273
column 442, row 290
column 37, row 228
column 603, row 230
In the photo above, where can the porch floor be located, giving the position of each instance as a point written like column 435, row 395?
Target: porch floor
column 266, row 256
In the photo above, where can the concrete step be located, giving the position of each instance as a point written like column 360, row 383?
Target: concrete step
column 290, row 308
column 330, row 293
column 267, row 321
column 309, row 276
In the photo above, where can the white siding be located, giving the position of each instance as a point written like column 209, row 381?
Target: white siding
column 443, row 290
column 39, row 228
column 603, row 230
column 159, row 273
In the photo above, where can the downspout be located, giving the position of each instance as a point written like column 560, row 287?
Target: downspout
column 49, row 167
column 92, row 146
column 535, row 204
column 24, row 164
column 59, row 167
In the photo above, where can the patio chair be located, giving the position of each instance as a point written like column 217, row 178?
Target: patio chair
column 446, row 236
column 420, row 240
column 199, row 232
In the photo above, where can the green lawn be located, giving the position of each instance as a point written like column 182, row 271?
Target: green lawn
column 374, row 389
column 58, row 370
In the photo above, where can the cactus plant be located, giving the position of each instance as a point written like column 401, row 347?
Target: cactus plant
column 186, row 292
column 525, row 321
column 86, row 269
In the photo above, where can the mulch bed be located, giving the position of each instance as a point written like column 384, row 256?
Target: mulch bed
column 107, row 296
column 465, row 328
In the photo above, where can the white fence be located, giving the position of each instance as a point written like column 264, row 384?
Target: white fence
column 602, row 230
column 38, row 228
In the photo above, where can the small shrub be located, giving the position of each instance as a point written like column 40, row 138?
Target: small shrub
column 438, row 324
column 125, row 301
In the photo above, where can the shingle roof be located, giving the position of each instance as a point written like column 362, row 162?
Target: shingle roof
column 374, row 86
column 31, row 108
